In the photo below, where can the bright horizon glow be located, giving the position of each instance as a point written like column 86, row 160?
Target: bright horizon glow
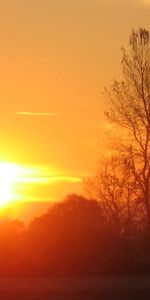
column 8, row 175
column 16, row 179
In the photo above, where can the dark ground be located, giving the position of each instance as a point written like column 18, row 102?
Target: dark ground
column 121, row 288
column 100, row 295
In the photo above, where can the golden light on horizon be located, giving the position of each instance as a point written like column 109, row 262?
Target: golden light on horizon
column 8, row 173
column 13, row 176
column 22, row 182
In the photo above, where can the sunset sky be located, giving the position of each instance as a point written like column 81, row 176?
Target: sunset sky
column 56, row 57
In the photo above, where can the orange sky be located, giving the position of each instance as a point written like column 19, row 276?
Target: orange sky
column 56, row 56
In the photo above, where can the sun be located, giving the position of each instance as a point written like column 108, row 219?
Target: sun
column 8, row 176
column 11, row 178
column 24, row 182
column 16, row 180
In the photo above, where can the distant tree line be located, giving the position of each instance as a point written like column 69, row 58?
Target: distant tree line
column 74, row 238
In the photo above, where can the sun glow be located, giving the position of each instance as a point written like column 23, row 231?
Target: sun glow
column 8, row 177
column 15, row 180
column 24, row 182
column 12, row 178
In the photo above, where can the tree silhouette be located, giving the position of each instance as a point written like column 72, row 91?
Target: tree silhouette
column 70, row 239
column 115, row 189
column 130, row 109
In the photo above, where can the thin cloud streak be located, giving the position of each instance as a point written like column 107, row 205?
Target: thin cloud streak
column 50, row 179
column 38, row 114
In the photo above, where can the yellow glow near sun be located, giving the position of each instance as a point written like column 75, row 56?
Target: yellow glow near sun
column 15, row 179
column 21, row 182
column 11, row 176
column 8, row 175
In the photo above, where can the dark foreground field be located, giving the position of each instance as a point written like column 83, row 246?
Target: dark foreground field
column 75, row 288
column 100, row 295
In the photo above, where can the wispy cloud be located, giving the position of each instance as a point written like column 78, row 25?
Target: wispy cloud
column 39, row 174
column 48, row 179
column 38, row 114
column 69, row 179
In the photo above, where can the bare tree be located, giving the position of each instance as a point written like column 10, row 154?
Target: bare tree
column 115, row 188
column 130, row 109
